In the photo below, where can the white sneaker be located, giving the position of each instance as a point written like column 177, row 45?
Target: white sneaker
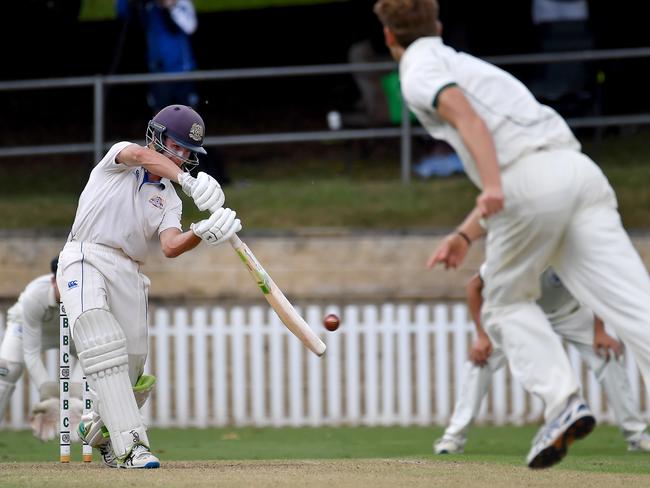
column 108, row 455
column 447, row 446
column 642, row 444
column 140, row 457
column 554, row 438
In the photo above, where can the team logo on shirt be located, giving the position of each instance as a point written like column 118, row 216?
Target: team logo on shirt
column 196, row 132
column 157, row 201
column 72, row 284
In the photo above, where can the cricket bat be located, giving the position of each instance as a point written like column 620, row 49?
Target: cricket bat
column 290, row 318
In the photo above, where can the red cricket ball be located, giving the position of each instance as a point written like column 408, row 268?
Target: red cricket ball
column 331, row 322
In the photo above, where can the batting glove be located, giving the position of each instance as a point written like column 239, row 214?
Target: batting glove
column 218, row 228
column 204, row 190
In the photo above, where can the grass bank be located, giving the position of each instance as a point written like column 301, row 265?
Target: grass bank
column 341, row 188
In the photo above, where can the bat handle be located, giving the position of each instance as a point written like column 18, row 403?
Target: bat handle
column 236, row 242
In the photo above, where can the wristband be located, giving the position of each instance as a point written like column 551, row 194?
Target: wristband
column 464, row 236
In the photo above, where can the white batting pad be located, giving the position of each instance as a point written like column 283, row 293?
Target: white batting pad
column 102, row 352
column 93, row 422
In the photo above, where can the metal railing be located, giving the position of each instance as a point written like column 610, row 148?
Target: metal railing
column 405, row 132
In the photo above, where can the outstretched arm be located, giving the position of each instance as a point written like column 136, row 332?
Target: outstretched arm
column 455, row 109
column 453, row 248
column 32, row 346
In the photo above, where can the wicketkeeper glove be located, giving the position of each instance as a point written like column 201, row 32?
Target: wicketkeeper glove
column 44, row 419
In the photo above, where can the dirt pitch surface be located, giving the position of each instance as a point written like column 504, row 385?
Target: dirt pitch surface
column 322, row 473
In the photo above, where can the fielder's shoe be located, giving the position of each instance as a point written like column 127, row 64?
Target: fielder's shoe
column 447, row 446
column 554, row 438
column 642, row 444
column 140, row 457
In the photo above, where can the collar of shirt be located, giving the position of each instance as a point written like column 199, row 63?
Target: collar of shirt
column 145, row 179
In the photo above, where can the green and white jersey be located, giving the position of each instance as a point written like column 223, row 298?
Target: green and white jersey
column 35, row 318
column 518, row 123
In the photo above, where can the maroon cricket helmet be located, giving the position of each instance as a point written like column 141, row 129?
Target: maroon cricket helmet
column 184, row 126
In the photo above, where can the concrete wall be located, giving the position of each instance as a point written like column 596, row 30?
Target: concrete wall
column 345, row 266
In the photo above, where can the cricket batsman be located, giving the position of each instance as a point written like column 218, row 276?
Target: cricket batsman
column 128, row 202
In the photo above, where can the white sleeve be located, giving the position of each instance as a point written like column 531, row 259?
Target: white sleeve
column 184, row 15
column 172, row 216
column 423, row 83
column 32, row 341
column 108, row 162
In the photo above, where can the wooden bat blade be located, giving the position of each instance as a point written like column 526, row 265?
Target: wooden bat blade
column 287, row 313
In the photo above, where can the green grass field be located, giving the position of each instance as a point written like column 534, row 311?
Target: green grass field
column 331, row 458
column 604, row 451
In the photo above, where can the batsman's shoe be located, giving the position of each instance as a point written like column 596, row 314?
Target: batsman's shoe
column 642, row 444
column 448, row 446
column 140, row 457
column 554, row 438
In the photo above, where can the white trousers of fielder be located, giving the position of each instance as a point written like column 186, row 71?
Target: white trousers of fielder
column 577, row 330
column 560, row 211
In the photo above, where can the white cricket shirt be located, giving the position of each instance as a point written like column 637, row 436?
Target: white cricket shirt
column 518, row 123
column 119, row 208
column 37, row 311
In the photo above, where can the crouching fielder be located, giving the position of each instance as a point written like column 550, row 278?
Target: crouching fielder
column 128, row 201
column 572, row 322
column 33, row 327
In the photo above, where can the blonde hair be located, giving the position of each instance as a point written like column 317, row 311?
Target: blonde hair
column 409, row 20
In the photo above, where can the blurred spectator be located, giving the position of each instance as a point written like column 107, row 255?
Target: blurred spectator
column 373, row 105
column 168, row 25
column 563, row 25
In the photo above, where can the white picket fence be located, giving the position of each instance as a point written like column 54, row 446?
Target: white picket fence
column 391, row 364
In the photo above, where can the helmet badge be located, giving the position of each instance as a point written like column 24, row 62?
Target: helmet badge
column 196, row 132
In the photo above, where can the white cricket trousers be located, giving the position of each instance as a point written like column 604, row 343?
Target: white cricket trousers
column 577, row 330
column 560, row 210
column 94, row 276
